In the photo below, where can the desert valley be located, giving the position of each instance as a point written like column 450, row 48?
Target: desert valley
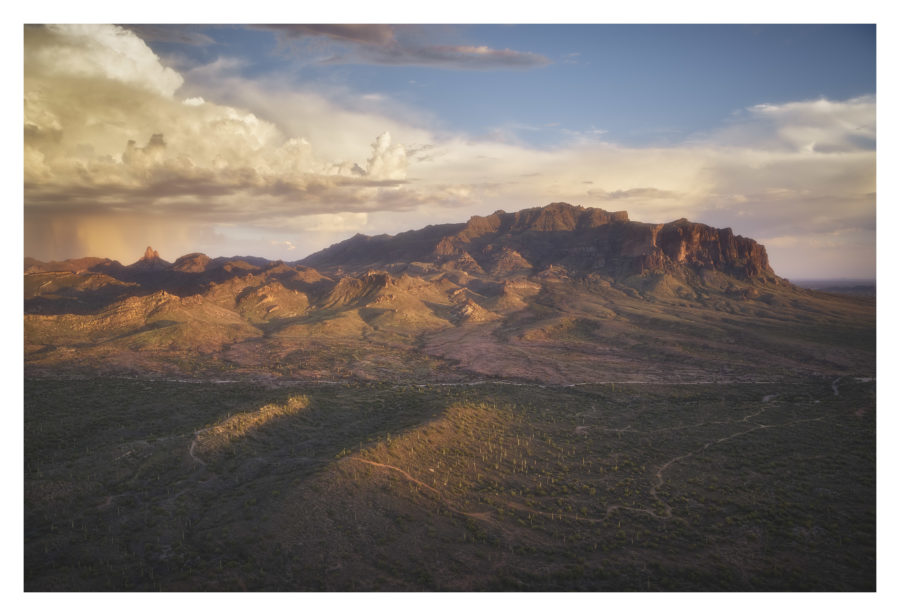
column 452, row 307
column 558, row 398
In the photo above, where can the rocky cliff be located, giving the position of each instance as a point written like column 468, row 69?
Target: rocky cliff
column 579, row 240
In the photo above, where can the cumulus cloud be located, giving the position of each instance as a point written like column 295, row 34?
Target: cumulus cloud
column 94, row 51
column 392, row 45
column 387, row 161
column 101, row 134
column 113, row 140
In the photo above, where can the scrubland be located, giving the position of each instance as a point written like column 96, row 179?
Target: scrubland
column 136, row 484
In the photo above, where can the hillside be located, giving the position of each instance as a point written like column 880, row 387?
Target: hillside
column 554, row 399
column 559, row 294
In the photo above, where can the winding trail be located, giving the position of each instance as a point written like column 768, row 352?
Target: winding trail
column 194, row 446
column 196, row 440
column 488, row 517
column 610, row 509
column 483, row 515
column 659, row 472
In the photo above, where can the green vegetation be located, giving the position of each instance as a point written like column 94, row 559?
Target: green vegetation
column 154, row 485
column 552, row 399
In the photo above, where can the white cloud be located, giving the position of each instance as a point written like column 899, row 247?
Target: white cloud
column 284, row 244
column 388, row 162
column 821, row 125
column 97, row 51
column 95, row 139
column 105, row 135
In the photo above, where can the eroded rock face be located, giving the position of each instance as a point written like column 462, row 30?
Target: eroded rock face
column 558, row 241
column 581, row 241
column 150, row 262
column 689, row 244
column 719, row 249
column 587, row 240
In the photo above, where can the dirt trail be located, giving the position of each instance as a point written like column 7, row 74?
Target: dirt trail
column 659, row 472
column 660, row 480
column 194, row 442
column 485, row 515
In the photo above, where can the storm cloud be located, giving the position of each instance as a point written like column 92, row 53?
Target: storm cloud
column 112, row 144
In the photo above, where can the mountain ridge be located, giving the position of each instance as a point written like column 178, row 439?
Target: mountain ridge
column 530, row 241
column 575, row 237
column 558, row 294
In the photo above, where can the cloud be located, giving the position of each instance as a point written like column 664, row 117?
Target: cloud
column 98, row 138
column 94, row 51
column 454, row 56
column 821, row 125
column 634, row 193
column 387, row 161
column 171, row 33
column 114, row 139
column 367, row 34
column 284, row 244
column 397, row 45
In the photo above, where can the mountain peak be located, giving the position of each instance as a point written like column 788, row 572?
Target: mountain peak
column 579, row 239
column 150, row 261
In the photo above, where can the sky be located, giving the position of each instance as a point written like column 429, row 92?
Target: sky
column 277, row 141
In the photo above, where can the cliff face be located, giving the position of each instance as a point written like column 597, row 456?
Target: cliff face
column 581, row 240
column 551, row 218
column 719, row 249
column 694, row 245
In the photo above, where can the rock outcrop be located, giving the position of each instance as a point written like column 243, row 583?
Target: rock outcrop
column 150, row 262
column 575, row 239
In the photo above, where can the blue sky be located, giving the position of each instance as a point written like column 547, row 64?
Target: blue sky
column 278, row 141
column 641, row 84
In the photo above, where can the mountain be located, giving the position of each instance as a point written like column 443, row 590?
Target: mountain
column 150, row 262
column 553, row 399
column 581, row 240
column 557, row 294
column 85, row 264
column 193, row 263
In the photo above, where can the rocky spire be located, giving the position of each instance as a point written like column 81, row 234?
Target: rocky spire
column 150, row 262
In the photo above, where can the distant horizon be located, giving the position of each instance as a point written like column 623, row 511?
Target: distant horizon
column 844, row 281
column 283, row 140
column 129, row 260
